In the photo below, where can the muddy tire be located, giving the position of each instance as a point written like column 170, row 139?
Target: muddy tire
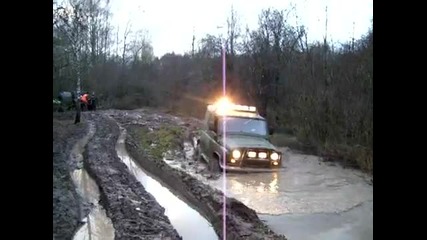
column 214, row 165
column 198, row 154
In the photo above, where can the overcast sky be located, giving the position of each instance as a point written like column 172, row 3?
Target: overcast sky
column 170, row 23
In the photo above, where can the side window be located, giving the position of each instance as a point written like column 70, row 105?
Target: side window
column 211, row 121
column 215, row 124
column 206, row 123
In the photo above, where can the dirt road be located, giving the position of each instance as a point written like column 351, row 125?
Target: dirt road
column 134, row 212
column 336, row 202
column 68, row 207
column 142, row 184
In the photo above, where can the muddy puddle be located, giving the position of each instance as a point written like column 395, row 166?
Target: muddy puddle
column 305, row 186
column 355, row 224
column 97, row 226
column 187, row 221
column 336, row 203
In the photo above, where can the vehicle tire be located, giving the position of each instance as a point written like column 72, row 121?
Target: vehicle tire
column 214, row 165
column 197, row 153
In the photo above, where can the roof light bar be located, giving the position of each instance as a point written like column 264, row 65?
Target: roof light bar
column 223, row 106
column 244, row 108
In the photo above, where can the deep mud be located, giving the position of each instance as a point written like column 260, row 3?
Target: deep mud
column 305, row 190
column 331, row 202
column 152, row 121
column 134, row 212
column 68, row 207
column 97, row 225
column 241, row 221
column 189, row 223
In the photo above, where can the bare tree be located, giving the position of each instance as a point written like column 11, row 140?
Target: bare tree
column 72, row 23
column 126, row 34
column 323, row 94
column 233, row 32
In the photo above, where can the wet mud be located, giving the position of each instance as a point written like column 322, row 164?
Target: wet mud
column 68, row 207
column 134, row 212
column 241, row 221
column 187, row 221
column 96, row 224
column 307, row 188
column 335, row 203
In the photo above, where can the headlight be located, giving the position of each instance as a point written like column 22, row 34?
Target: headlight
column 274, row 156
column 262, row 155
column 236, row 154
column 251, row 154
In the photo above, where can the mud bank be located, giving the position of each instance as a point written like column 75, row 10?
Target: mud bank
column 134, row 212
column 68, row 207
column 241, row 221
column 186, row 220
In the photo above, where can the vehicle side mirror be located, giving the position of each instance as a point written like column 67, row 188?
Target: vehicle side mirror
column 271, row 130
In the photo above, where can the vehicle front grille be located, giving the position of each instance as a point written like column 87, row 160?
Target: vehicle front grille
column 246, row 157
column 255, row 163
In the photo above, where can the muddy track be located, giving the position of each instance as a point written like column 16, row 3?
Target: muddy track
column 241, row 221
column 134, row 212
column 68, row 207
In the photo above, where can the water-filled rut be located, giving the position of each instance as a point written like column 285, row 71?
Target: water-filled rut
column 188, row 222
column 97, row 225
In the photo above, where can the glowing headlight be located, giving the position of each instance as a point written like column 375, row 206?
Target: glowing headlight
column 274, row 156
column 236, row 154
column 262, row 155
column 251, row 154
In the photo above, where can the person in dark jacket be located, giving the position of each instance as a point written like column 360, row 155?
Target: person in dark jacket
column 92, row 102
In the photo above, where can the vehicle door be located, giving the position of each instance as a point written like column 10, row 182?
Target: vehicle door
column 205, row 136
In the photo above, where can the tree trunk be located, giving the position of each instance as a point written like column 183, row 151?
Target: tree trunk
column 78, row 112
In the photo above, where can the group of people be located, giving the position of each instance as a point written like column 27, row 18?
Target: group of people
column 88, row 102
column 68, row 101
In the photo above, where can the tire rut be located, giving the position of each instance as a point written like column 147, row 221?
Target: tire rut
column 134, row 212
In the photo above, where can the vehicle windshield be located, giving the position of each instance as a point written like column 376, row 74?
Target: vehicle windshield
column 243, row 125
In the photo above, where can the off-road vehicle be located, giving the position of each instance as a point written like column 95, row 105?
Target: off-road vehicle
column 236, row 137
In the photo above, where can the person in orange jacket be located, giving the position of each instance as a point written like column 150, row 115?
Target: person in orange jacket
column 84, row 100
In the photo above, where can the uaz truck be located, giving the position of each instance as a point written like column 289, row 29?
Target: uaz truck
column 235, row 137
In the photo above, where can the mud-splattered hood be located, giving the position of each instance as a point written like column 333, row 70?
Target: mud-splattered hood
column 242, row 141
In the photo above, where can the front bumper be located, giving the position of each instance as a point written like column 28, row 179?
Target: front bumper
column 243, row 166
column 249, row 169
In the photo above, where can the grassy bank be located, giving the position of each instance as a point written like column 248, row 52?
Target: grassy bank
column 161, row 140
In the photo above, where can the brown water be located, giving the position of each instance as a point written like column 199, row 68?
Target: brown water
column 308, row 199
column 188, row 222
column 97, row 225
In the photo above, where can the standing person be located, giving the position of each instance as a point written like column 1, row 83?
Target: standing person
column 85, row 101
column 73, row 100
column 93, row 101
